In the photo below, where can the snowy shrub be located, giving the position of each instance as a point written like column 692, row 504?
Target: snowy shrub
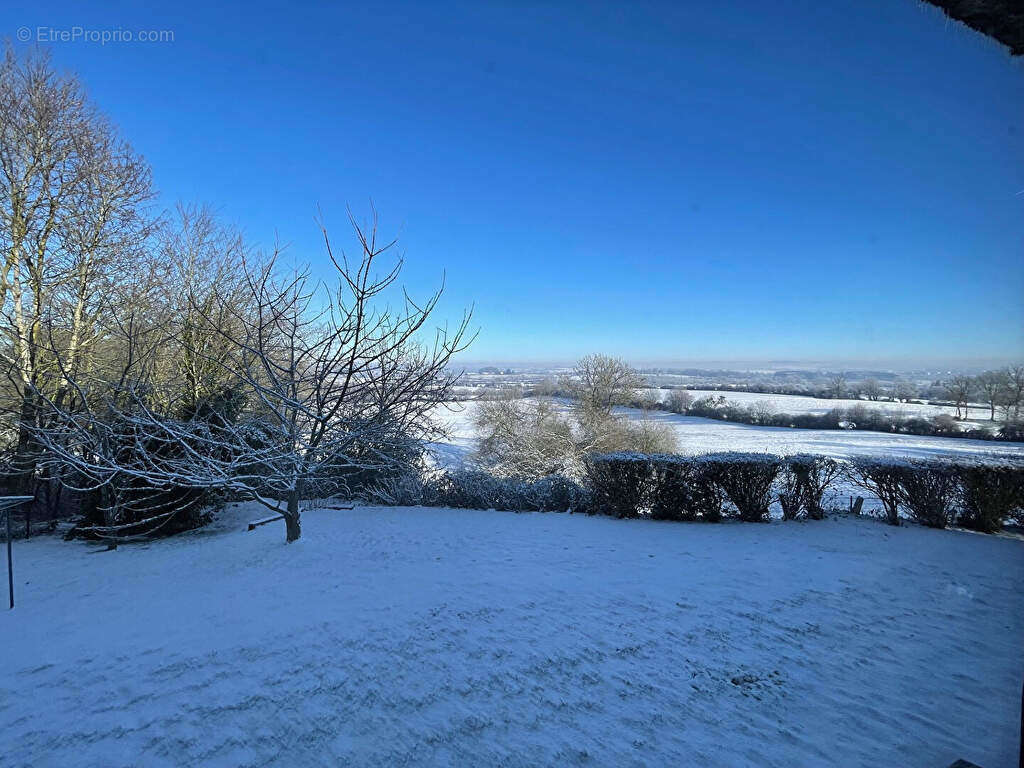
column 463, row 488
column 556, row 493
column 678, row 401
column 944, row 424
column 916, row 425
column 709, row 407
column 929, row 491
column 747, row 480
column 129, row 505
column 1013, row 432
column 615, row 434
column 365, row 467
column 405, row 490
column 526, row 438
column 683, row 489
column 619, row 483
column 475, row 489
column 989, row 493
column 882, row 478
column 789, row 498
column 671, row 475
column 806, row 479
column 130, row 509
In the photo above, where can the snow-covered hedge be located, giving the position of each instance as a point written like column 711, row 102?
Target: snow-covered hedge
column 477, row 489
column 989, row 495
column 680, row 487
column 979, row 494
column 620, row 483
column 747, row 480
column 806, row 479
column 684, row 489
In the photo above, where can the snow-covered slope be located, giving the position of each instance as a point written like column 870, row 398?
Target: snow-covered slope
column 439, row 637
column 699, row 435
column 795, row 404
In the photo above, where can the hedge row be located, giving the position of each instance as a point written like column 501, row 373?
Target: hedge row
column 861, row 416
column 669, row 487
column 980, row 495
column 475, row 489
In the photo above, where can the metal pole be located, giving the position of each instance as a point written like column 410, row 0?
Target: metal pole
column 10, row 565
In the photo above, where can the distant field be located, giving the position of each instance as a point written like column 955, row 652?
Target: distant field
column 818, row 405
column 698, row 435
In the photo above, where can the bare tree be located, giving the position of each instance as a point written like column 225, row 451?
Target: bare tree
column 837, row 386
column 903, row 391
column 335, row 385
column 993, row 386
column 959, row 389
column 1014, row 391
column 206, row 299
column 73, row 217
column 600, row 382
column 871, row 389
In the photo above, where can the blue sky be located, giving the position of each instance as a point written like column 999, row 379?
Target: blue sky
column 734, row 180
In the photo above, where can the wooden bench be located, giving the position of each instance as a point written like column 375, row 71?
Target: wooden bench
column 257, row 523
column 253, row 525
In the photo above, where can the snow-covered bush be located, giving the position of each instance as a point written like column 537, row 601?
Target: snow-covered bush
column 789, row 497
column 617, row 434
column 526, row 438
column 556, row 493
column 1012, row 432
column 619, row 482
column 465, row 488
column 747, row 480
column 683, row 489
column 405, row 490
column 806, row 478
column 989, row 493
column 708, row 407
column 884, row 479
column 477, row 489
column 929, row 490
column 678, row 401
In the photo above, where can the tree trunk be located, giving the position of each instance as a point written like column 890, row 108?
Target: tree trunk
column 24, row 455
column 291, row 517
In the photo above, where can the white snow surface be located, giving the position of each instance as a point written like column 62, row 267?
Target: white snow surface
column 795, row 404
column 410, row 636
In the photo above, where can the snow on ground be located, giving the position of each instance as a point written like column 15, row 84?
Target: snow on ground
column 411, row 636
column 699, row 435
column 796, row 404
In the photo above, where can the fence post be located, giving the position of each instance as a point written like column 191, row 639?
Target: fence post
column 10, row 565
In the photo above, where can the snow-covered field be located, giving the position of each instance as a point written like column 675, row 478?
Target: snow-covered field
column 699, row 435
column 412, row 636
column 800, row 404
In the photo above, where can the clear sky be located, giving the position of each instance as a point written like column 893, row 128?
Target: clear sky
column 663, row 181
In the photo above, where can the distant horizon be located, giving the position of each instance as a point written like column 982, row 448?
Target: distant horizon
column 750, row 365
